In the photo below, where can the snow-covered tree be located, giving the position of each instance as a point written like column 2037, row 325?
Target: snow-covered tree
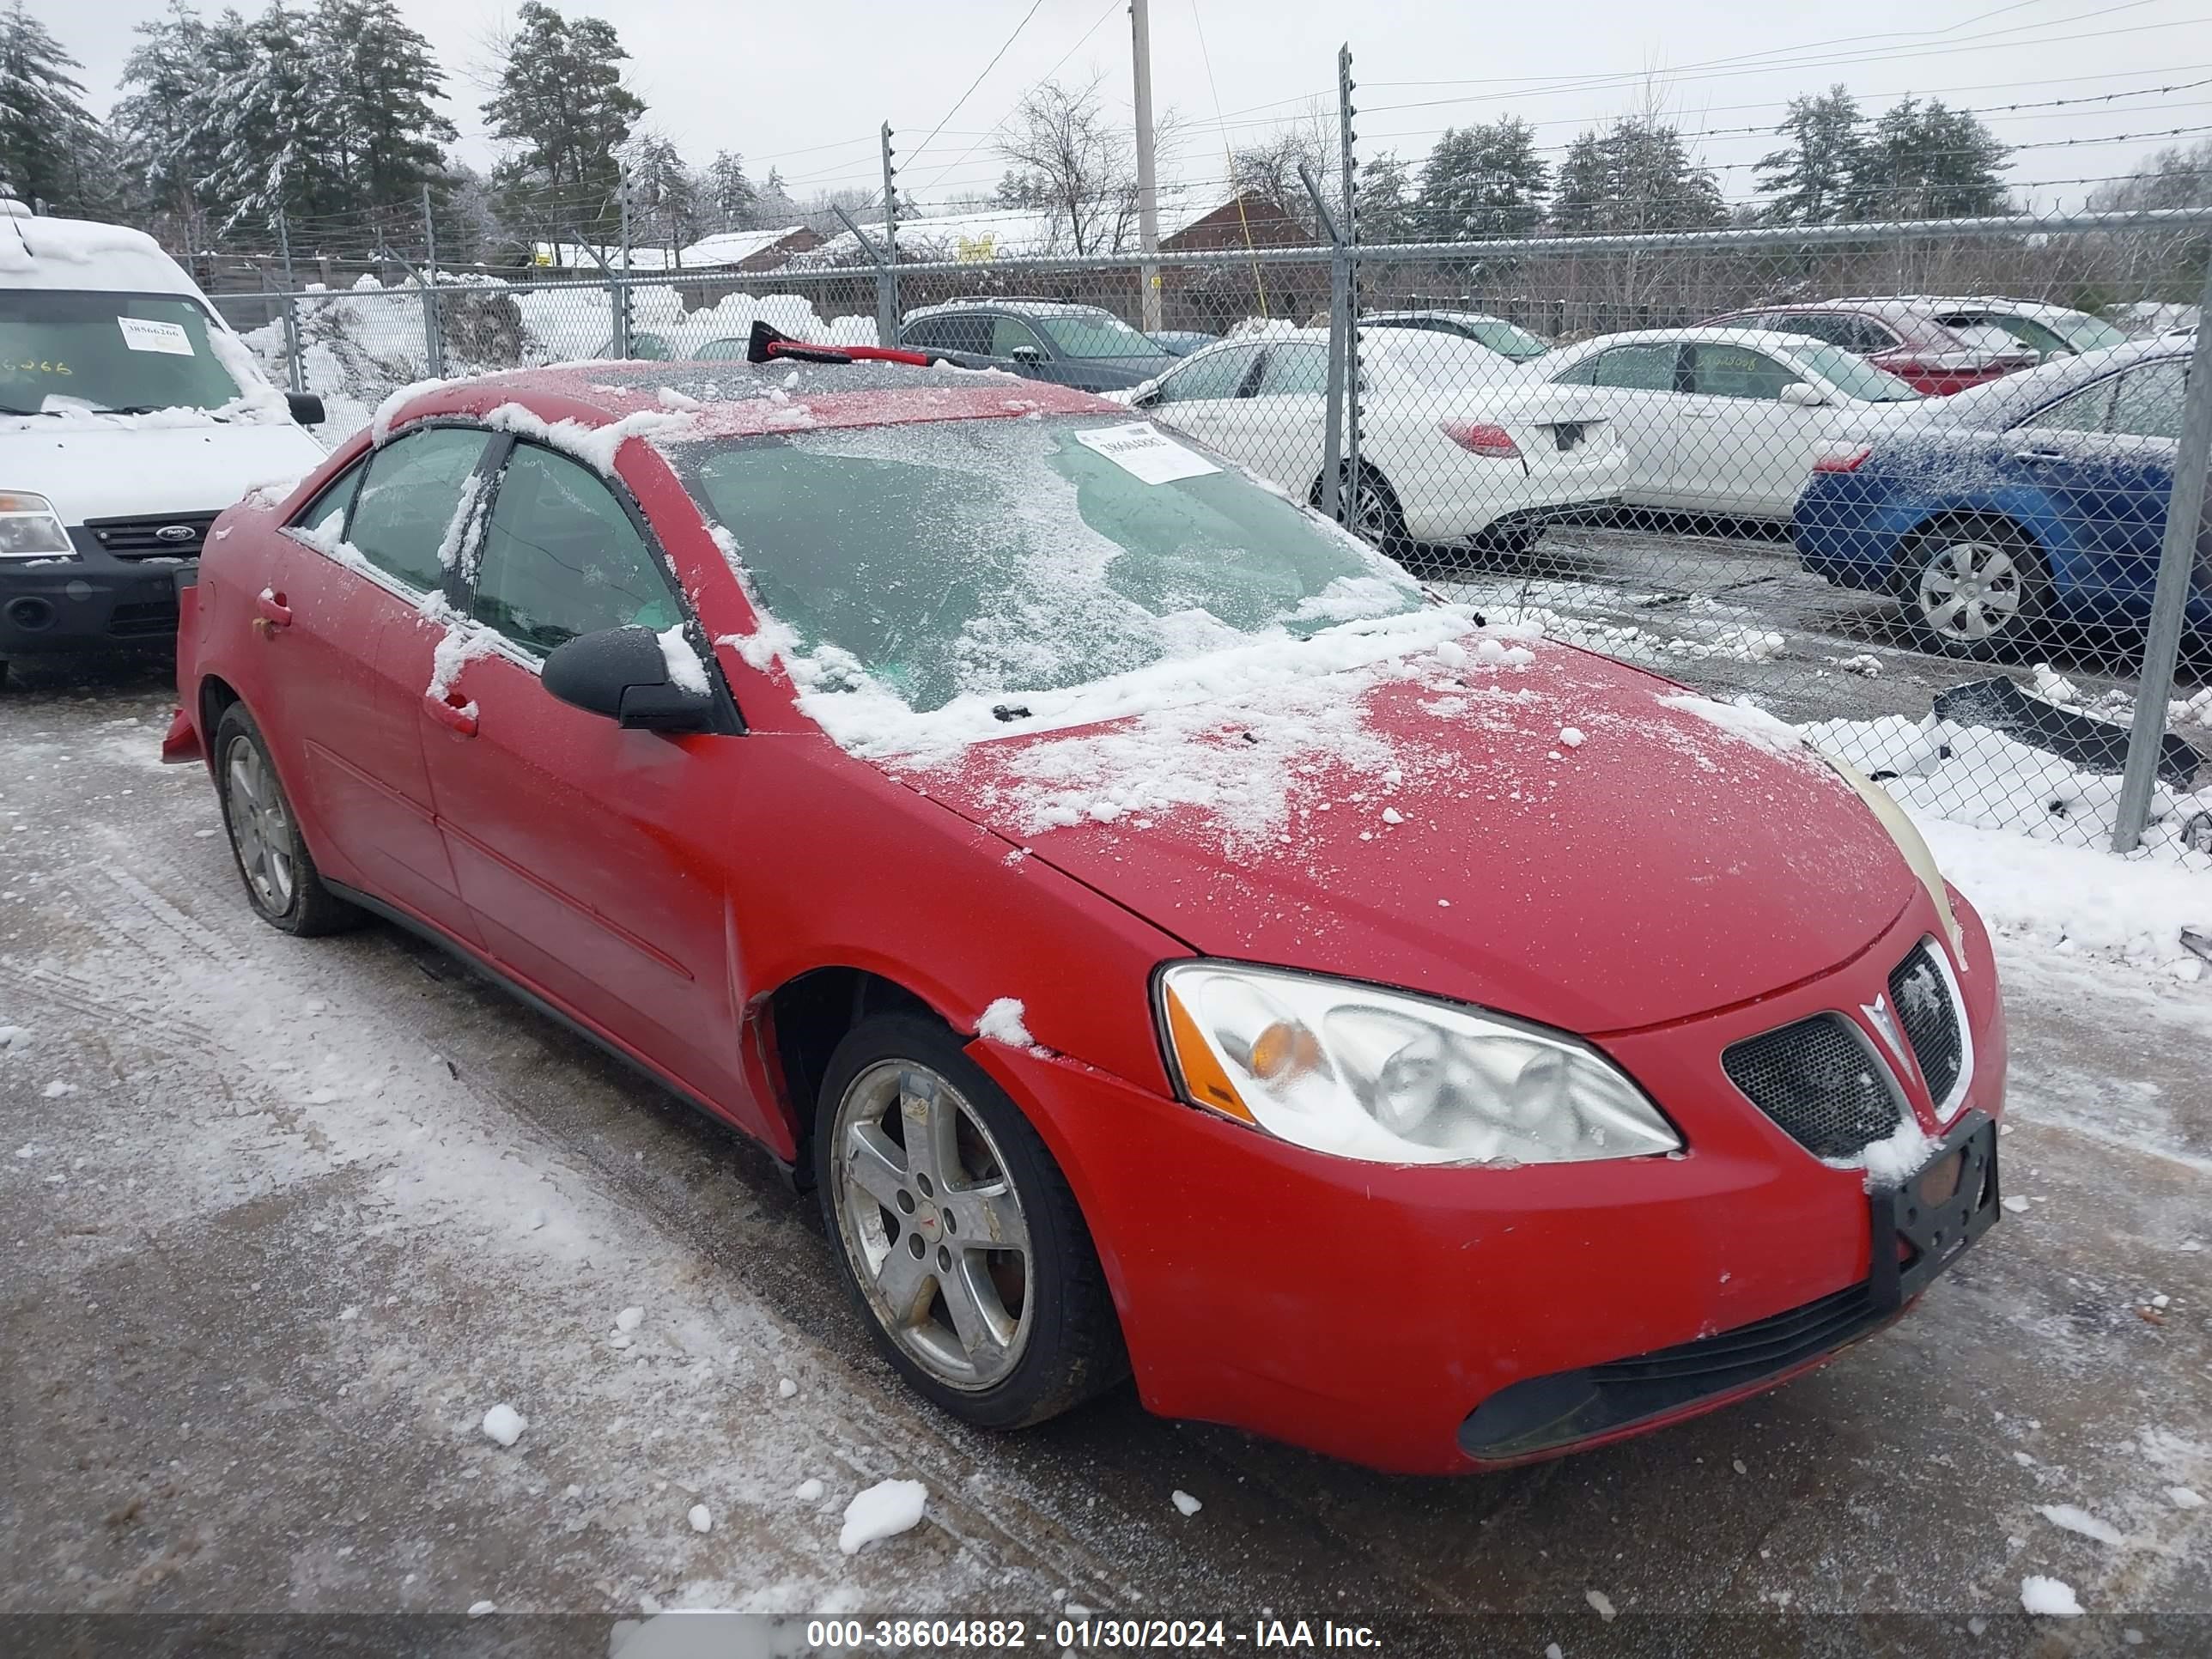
column 664, row 195
column 1483, row 181
column 730, row 198
column 1930, row 162
column 382, row 84
column 1636, row 175
column 1815, row 178
column 563, row 106
column 1386, row 205
column 52, row 148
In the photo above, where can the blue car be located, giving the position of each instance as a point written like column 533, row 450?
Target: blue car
column 2038, row 498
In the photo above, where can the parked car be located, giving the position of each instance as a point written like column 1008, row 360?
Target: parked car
column 647, row 347
column 1275, row 945
column 130, row 415
column 2048, row 331
column 1902, row 336
column 1455, row 442
column 1508, row 340
column 1726, row 420
column 1087, row 347
column 2039, row 497
column 1181, row 342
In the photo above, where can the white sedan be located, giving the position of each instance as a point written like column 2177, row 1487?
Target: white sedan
column 1456, row 442
column 1728, row 420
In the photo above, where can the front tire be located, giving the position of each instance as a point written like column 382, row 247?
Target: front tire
column 282, row 883
column 1975, row 589
column 1374, row 516
column 957, row 1236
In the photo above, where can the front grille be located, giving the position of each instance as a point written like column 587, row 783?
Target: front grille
column 1545, row 1413
column 1819, row 1082
column 1931, row 1018
column 141, row 539
column 139, row 620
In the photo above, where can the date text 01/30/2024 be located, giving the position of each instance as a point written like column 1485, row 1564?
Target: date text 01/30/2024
column 1081, row 1635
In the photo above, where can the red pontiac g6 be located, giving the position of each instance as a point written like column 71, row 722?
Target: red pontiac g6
column 1172, row 942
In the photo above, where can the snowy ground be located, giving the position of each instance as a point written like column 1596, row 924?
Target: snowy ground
column 285, row 1219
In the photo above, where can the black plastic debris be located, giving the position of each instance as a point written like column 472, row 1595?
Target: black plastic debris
column 2081, row 740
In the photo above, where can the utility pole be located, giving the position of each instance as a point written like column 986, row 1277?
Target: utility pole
column 1148, row 202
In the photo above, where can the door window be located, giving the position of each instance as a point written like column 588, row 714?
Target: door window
column 1734, row 371
column 970, row 334
column 1217, row 375
column 2148, row 402
column 562, row 558
column 2082, row 412
column 1294, row 370
column 1009, row 333
column 409, row 500
column 1636, row 368
column 324, row 516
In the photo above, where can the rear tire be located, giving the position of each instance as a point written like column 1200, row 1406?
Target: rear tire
column 282, row 883
column 1974, row 588
column 919, row 1158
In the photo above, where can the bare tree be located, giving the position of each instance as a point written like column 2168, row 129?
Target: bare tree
column 1065, row 158
column 1269, row 168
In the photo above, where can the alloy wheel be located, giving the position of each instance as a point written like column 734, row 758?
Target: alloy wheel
column 260, row 828
column 1971, row 591
column 933, row 1224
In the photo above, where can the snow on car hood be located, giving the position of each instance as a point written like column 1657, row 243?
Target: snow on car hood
column 92, row 468
column 1494, row 819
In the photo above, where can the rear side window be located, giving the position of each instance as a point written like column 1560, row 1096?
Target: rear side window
column 410, row 498
column 562, row 558
column 969, row 334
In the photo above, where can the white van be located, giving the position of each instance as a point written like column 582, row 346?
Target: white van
column 129, row 416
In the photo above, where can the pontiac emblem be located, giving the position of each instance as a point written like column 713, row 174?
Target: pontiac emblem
column 1885, row 1023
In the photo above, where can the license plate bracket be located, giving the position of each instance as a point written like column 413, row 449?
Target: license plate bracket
column 1935, row 1229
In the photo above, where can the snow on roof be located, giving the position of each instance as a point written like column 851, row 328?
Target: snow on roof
column 83, row 253
column 975, row 234
column 731, row 247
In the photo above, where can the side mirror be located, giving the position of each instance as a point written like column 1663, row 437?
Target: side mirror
column 1026, row 355
column 622, row 674
column 307, row 408
column 1798, row 395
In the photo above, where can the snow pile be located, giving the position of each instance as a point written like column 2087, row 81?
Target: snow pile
column 700, row 1518
column 2049, row 1598
column 885, row 1510
column 1002, row 1023
column 686, row 671
column 2075, row 1519
column 1185, row 1502
column 505, row 1425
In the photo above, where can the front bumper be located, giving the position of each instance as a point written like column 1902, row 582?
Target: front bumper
column 93, row 601
column 1368, row 1311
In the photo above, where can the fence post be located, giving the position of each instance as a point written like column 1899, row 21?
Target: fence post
column 1340, row 336
column 887, row 318
column 294, row 370
column 887, row 298
column 434, row 349
column 1348, row 251
column 2177, row 564
column 433, row 313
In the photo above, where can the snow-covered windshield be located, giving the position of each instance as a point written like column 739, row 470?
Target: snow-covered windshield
column 1002, row 556
column 1506, row 339
column 1082, row 334
column 2084, row 332
column 127, row 353
column 1849, row 373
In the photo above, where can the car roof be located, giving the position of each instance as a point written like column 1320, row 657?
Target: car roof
column 1432, row 311
column 1768, row 339
column 735, row 399
column 1012, row 306
column 84, row 254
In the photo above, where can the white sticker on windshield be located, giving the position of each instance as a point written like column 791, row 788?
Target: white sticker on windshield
column 142, row 335
column 1140, row 448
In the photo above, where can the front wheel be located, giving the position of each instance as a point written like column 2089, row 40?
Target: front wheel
column 1374, row 514
column 1975, row 588
column 959, row 1237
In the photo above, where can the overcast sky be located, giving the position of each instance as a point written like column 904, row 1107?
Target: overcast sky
column 803, row 87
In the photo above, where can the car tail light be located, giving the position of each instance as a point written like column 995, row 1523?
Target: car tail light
column 1482, row 438
column 1843, row 461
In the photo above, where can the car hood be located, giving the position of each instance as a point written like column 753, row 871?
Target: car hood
column 95, row 469
column 1496, row 819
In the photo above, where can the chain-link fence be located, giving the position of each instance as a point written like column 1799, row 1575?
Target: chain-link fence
column 1906, row 484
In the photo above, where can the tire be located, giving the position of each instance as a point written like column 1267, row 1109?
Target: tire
column 273, row 865
column 1974, row 588
column 900, row 1238
column 1375, row 517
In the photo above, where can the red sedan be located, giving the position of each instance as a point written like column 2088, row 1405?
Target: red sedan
column 1932, row 345
column 1171, row 942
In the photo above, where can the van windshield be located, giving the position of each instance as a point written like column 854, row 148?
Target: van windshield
column 115, row 353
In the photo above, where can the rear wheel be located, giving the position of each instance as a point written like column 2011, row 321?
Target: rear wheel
column 959, row 1239
column 1975, row 588
column 282, row 881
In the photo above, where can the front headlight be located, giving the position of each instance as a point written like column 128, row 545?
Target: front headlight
column 30, row 528
column 1390, row 1078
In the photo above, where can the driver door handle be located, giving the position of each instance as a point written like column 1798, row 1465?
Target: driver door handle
column 459, row 718
column 2039, row 454
column 271, row 613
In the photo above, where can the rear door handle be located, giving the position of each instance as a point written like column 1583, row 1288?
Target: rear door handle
column 459, row 718
column 2039, row 454
column 270, row 612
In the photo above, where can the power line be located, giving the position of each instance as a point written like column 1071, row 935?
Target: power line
column 977, row 81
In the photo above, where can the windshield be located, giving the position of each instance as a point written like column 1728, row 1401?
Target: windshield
column 1002, row 556
column 1502, row 337
column 1408, row 360
column 1095, row 335
column 2085, row 333
column 129, row 353
column 1850, row 374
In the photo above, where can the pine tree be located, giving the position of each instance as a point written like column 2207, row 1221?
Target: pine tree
column 382, row 87
column 1637, row 175
column 561, row 101
column 1483, row 181
column 664, row 197
column 165, row 144
column 730, row 196
column 264, row 111
column 1814, row 178
column 1929, row 162
column 52, row 150
column 1386, row 206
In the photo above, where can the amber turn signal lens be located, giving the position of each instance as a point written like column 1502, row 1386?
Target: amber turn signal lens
column 1202, row 1075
